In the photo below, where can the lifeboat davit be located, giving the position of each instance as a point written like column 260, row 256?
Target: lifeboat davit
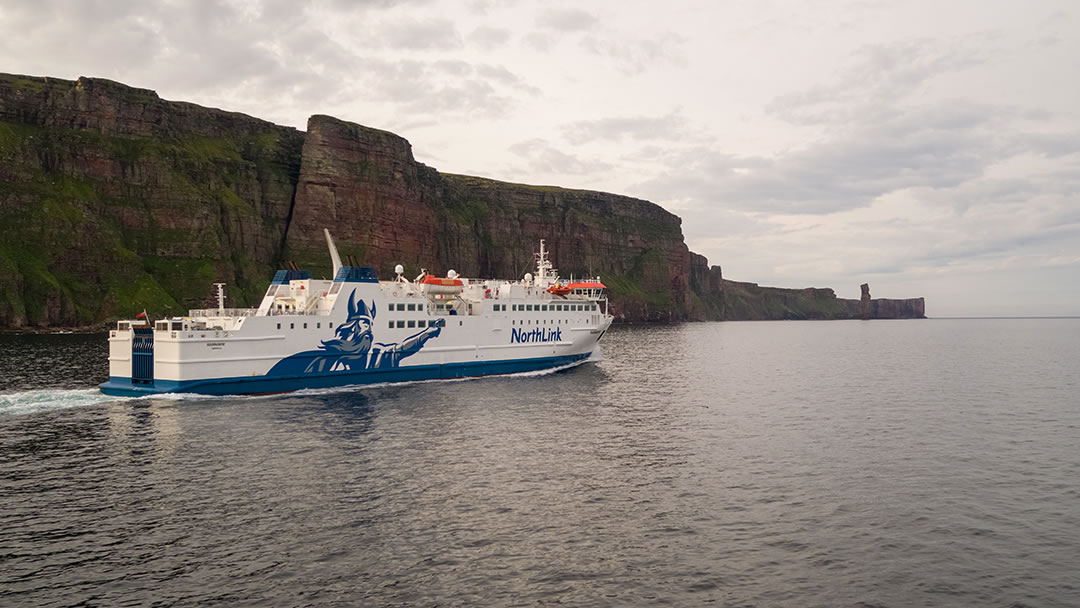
column 432, row 284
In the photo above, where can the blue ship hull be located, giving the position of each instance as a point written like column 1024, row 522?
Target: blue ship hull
column 255, row 385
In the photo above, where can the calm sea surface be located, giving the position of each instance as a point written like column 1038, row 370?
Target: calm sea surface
column 882, row 463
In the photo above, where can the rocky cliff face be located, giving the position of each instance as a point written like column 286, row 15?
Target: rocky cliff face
column 386, row 208
column 113, row 200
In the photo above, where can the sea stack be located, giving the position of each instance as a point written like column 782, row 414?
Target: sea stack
column 864, row 304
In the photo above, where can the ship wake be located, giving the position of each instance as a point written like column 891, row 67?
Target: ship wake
column 27, row 402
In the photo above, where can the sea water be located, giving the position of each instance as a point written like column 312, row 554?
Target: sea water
column 846, row 463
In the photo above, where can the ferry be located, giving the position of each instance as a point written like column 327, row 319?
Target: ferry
column 355, row 329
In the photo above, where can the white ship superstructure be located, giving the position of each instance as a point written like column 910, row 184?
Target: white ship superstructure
column 355, row 329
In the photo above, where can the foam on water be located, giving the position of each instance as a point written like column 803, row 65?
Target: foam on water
column 348, row 388
column 25, row 402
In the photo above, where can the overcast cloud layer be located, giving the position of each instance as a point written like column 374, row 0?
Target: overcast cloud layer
column 927, row 148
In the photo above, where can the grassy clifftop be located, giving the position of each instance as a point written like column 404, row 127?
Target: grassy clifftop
column 110, row 204
column 113, row 200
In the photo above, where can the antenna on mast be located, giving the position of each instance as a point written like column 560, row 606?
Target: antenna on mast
column 544, row 270
column 220, row 298
column 334, row 257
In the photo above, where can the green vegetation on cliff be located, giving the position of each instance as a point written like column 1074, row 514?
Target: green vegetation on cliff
column 104, row 222
column 113, row 200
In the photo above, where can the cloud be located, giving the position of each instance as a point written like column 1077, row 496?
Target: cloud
column 542, row 157
column 635, row 55
column 566, row 20
column 444, row 87
column 932, row 147
column 429, row 34
column 883, row 73
column 489, row 38
column 539, row 41
column 671, row 126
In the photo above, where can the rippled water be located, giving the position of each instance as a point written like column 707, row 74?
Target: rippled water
column 914, row 463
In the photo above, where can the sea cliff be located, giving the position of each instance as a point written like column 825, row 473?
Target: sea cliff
column 113, row 200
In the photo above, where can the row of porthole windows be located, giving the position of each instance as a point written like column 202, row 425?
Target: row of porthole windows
column 317, row 325
column 541, row 322
column 412, row 323
column 554, row 307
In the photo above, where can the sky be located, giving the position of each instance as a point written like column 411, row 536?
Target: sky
column 927, row 148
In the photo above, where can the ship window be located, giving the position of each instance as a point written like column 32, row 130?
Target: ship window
column 305, row 325
column 460, row 323
column 279, row 325
column 412, row 307
column 391, row 325
column 401, row 307
column 292, row 325
column 544, row 308
column 318, row 326
column 528, row 307
column 401, row 324
column 332, row 323
column 412, row 323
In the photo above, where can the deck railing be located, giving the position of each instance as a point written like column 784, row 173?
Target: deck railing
column 228, row 312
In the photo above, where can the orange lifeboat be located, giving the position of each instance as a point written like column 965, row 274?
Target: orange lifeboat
column 432, row 284
column 559, row 290
column 589, row 285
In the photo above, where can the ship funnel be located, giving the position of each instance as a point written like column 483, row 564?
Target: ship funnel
column 334, row 257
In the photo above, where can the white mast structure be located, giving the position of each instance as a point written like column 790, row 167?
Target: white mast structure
column 544, row 269
column 220, row 298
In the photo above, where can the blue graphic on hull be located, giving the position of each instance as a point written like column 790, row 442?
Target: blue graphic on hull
column 247, row 385
column 355, row 348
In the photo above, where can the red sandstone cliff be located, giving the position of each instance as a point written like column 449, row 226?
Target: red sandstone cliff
column 113, row 200
column 386, row 208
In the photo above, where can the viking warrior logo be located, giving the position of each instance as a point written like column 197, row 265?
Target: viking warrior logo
column 354, row 348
